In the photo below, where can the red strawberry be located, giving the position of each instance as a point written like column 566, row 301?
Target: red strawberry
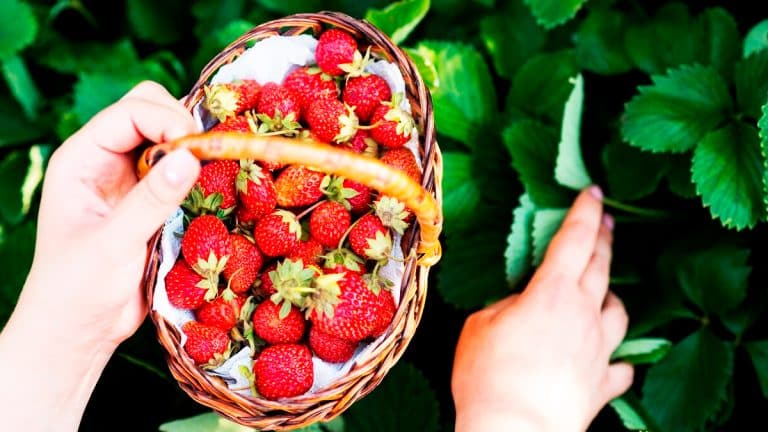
column 266, row 286
column 298, row 186
column 393, row 126
column 330, row 348
column 220, row 313
column 309, row 84
column 242, row 123
column 366, row 93
column 328, row 223
column 404, row 160
column 272, row 165
column 343, row 306
column 219, row 177
column 343, row 260
column 279, row 102
column 331, row 121
column 352, row 195
column 205, row 344
column 308, row 251
column 278, row 233
column 292, row 282
column 386, row 308
column 227, row 100
column 206, row 246
column 334, row 49
column 283, row 371
column 362, row 143
column 256, row 190
column 370, row 239
column 278, row 326
column 187, row 289
column 244, row 264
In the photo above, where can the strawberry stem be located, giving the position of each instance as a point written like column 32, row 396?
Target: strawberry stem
column 346, row 233
column 640, row 211
column 309, row 210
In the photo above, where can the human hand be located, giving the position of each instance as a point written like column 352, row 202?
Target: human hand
column 540, row 360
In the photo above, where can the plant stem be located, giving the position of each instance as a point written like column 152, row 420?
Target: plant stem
column 640, row 211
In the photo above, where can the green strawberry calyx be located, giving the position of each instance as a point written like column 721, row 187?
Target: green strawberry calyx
column 392, row 213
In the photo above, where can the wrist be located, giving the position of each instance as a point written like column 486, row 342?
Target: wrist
column 481, row 422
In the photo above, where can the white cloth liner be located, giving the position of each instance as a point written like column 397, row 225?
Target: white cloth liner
column 268, row 60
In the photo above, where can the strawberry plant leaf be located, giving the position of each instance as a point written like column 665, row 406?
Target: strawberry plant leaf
column 16, row 128
column 510, row 50
column 519, row 241
column 533, row 148
column 682, row 392
column 758, row 352
column 20, row 174
column 632, row 413
column 677, row 111
column 211, row 16
column 398, row 19
column 460, row 192
column 16, row 249
column 19, row 28
column 463, row 93
column 642, row 351
column 542, row 85
column 403, row 401
column 208, row 422
column 569, row 166
column 551, row 13
column 68, row 57
column 292, row 7
column 679, row 176
column 633, row 174
column 95, row 91
column 719, row 39
column 728, row 172
column 161, row 23
column 756, row 39
column 751, row 85
column 546, row 222
column 744, row 316
column 670, row 26
column 21, row 85
column 600, row 43
column 218, row 40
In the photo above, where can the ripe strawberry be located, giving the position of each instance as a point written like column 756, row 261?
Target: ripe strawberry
column 404, row 160
column 241, row 123
column 292, row 282
column 392, row 213
column 331, row 121
column 308, row 251
column 309, row 83
column 393, row 125
column 354, row 196
column 219, row 177
column 205, row 344
column 227, row 100
column 256, row 190
column 335, row 48
column 362, row 143
column 206, row 246
column 343, row 260
column 298, row 186
column 279, row 102
column 366, row 93
column 187, row 289
column 328, row 223
column 244, row 264
column 272, row 165
column 278, row 233
column 221, row 312
column 370, row 239
column 386, row 308
column 343, row 306
column 330, row 348
column 278, row 325
column 266, row 286
column 283, row 371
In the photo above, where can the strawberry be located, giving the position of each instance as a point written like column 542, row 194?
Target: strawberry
column 219, row 177
column 298, row 186
column 227, row 100
column 266, row 287
column 272, row 165
column 283, row 371
column 292, row 282
column 393, row 126
column 278, row 325
column 330, row 348
column 187, row 289
column 386, row 309
column 205, row 344
column 221, row 312
column 278, row 233
column 362, row 143
column 278, row 102
column 335, row 49
column 343, row 260
column 243, row 266
column 256, row 190
column 366, row 93
column 308, row 251
column 404, row 160
column 309, row 83
column 328, row 223
column 392, row 213
column 242, row 123
column 206, row 246
column 343, row 306
column 370, row 239
column 332, row 121
column 354, row 196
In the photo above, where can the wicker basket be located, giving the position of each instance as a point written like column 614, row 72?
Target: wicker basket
column 422, row 238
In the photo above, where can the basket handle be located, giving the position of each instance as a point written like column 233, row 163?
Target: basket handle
column 307, row 151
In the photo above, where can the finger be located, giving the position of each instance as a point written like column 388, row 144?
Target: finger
column 617, row 381
column 573, row 245
column 502, row 304
column 154, row 198
column 596, row 276
column 615, row 321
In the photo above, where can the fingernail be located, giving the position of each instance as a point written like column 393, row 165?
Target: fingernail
column 179, row 167
column 608, row 221
column 596, row 192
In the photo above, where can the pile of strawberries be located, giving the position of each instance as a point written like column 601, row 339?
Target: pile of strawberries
column 287, row 259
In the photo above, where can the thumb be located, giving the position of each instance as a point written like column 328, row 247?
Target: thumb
column 154, row 198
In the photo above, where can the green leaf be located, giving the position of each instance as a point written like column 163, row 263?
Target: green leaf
column 533, row 148
column 758, row 351
column 68, row 57
column 463, row 93
column 757, row 38
column 551, row 13
column 16, row 128
column 16, row 250
column 631, row 173
column 21, row 85
column 403, row 402
column 642, row 351
column 74, row 5
column 728, row 172
column 218, row 40
column 719, row 39
column 685, row 389
column 510, row 50
column 600, row 43
column 520, row 241
column 741, row 319
column 161, row 23
column 13, row 170
column 679, row 176
column 19, row 28
column 460, row 192
column 541, row 87
column 212, row 16
column 95, row 91
column 399, row 19
column 677, row 111
column 293, row 6
column 632, row 413
column 209, row 422
column 751, row 83
column 569, row 167
column 667, row 40
column 546, row 222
